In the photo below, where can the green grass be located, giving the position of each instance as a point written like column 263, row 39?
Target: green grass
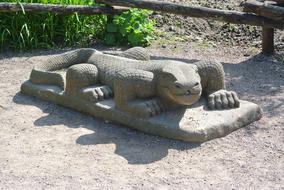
column 23, row 30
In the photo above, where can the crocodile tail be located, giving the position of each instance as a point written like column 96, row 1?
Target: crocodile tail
column 212, row 75
column 46, row 71
column 46, row 77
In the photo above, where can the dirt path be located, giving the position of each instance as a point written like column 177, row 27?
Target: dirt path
column 44, row 146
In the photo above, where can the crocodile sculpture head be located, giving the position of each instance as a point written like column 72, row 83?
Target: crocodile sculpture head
column 179, row 83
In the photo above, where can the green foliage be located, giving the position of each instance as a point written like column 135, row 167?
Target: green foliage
column 25, row 30
column 232, row 27
column 22, row 30
column 132, row 27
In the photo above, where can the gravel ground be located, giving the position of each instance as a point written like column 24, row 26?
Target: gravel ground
column 45, row 146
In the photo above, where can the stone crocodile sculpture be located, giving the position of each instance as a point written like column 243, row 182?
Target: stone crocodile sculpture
column 140, row 86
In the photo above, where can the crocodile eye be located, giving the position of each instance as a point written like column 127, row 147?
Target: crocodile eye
column 196, row 84
column 178, row 86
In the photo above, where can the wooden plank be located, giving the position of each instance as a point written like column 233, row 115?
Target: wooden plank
column 60, row 9
column 276, row 1
column 279, row 1
column 264, row 9
column 267, row 41
column 199, row 12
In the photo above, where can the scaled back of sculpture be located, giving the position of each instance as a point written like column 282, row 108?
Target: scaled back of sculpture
column 140, row 86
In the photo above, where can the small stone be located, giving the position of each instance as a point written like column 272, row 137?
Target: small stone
column 171, row 28
column 106, row 121
column 212, row 44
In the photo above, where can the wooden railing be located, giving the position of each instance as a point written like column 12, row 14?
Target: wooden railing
column 61, row 9
column 267, row 14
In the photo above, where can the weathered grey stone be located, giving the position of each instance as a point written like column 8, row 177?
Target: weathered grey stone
column 140, row 86
column 192, row 124
column 148, row 95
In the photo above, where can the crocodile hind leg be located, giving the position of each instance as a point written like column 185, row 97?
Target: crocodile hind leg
column 82, row 81
column 137, row 53
column 134, row 93
column 49, row 71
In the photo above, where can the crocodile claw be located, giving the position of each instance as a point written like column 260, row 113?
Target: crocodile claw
column 97, row 93
column 147, row 108
column 223, row 99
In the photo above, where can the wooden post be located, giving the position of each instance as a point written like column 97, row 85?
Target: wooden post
column 267, row 40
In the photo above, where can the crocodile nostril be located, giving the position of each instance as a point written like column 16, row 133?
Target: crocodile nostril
column 196, row 84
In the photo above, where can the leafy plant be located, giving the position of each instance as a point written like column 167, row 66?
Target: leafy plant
column 132, row 27
column 25, row 30
column 232, row 27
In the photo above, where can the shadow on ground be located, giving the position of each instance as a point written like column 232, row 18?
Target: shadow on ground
column 259, row 79
column 134, row 146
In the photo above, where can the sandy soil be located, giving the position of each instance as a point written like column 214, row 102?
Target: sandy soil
column 214, row 33
column 45, row 146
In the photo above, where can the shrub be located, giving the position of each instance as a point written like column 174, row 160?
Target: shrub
column 132, row 27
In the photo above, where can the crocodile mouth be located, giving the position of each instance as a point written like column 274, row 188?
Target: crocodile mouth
column 187, row 97
column 192, row 92
column 188, row 93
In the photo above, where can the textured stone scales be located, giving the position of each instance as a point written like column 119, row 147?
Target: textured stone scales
column 154, row 96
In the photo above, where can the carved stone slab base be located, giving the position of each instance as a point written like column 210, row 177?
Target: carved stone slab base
column 196, row 124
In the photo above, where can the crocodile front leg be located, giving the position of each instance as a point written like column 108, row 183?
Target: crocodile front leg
column 213, row 85
column 96, row 93
column 144, row 108
column 223, row 99
column 134, row 93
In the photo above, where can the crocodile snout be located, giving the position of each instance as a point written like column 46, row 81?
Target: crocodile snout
column 196, row 89
column 185, row 89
